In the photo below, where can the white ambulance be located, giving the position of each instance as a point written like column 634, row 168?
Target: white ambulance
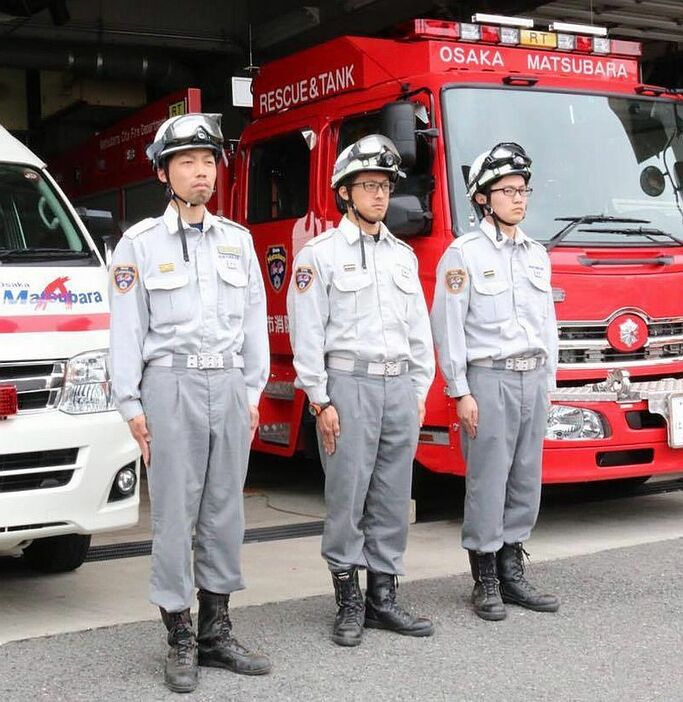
column 68, row 465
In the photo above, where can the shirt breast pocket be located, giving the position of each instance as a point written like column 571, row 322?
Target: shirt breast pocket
column 539, row 288
column 232, row 289
column 170, row 299
column 348, row 293
column 406, row 287
column 491, row 301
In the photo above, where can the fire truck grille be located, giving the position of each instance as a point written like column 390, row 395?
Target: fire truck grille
column 584, row 344
column 37, row 470
column 38, row 383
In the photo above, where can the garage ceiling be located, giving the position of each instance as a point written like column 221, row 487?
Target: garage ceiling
column 167, row 44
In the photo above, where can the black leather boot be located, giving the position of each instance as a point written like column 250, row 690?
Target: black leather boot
column 181, row 673
column 348, row 624
column 218, row 648
column 486, row 598
column 383, row 612
column 515, row 588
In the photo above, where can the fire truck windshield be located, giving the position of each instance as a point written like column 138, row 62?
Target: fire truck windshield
column 599, row 157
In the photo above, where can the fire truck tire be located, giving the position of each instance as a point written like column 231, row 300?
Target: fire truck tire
column 57, row 554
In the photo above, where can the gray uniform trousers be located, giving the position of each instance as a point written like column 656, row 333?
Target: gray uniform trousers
column 369, row 476
column 503, row 477
column 199, row 424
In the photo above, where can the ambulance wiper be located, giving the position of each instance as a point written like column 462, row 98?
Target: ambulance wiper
column 647, row 232
column 37, row 252
column 574, row 222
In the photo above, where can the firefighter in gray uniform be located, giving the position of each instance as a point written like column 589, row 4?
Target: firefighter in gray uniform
column 363, row 353
column 189, row 352
column 493, row 321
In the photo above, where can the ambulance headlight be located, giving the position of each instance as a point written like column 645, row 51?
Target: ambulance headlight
column 574, row 423
column 87, row 384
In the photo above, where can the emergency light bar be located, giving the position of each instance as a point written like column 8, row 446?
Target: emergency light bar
column 510, row 31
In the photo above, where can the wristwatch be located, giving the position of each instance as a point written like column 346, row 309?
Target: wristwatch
column 315, row 409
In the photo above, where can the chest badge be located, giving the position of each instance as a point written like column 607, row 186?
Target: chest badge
column 456, row 278
column 276, row 265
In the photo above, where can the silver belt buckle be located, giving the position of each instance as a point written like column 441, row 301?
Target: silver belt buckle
column 392, row 368
column 525, row 364
column 205, row 361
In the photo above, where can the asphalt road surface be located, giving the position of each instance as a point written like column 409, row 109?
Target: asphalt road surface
column 618, row 636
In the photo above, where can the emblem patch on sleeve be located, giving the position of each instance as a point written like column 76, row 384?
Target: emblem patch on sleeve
column 125, row 277
column 456, row 279
column 303, row 278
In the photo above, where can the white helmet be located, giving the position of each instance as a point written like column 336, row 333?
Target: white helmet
column 503, row 159
column 192, row 131
column 371, row 153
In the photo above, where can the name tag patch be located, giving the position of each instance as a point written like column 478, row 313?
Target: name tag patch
column 166, row 267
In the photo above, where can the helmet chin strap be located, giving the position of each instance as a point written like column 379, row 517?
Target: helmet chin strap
column 181, row 230
column 359, row 216
column 488, row 210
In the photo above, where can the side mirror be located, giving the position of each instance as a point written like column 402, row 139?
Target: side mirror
column 397, row 122
column 406, row 216
column 100, row 226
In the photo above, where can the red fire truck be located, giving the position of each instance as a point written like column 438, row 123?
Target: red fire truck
column 607, row 203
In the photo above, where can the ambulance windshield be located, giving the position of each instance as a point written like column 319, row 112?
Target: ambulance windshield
column 593, row 155
column 34, row 224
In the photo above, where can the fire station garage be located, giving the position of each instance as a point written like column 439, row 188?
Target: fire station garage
column 85, row 84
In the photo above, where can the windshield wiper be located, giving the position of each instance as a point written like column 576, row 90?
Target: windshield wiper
column 35, row 252
column 647, row 232
column 574, row 222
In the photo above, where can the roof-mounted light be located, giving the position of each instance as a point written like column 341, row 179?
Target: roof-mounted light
column 509, row 36
column 470, row 32
column 621, row 47
column 432, row 29
column 578, row 29
column 503, row 20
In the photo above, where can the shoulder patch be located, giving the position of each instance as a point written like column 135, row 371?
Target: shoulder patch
column 124, row 276
column 140, row 227
column 455, row 279
column 303, row 278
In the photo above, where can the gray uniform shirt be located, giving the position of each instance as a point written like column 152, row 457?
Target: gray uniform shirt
column 161, row 305
column 377, row 314
column 493, row 300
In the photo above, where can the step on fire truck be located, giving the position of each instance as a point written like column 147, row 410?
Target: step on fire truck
column 608, row 204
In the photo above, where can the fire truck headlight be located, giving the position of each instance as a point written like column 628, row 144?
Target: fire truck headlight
column 574, row 423
column 87, row 384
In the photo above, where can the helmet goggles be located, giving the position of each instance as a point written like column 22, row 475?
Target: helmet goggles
column 192, row 131
column 371, row 153
column 506, row 158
